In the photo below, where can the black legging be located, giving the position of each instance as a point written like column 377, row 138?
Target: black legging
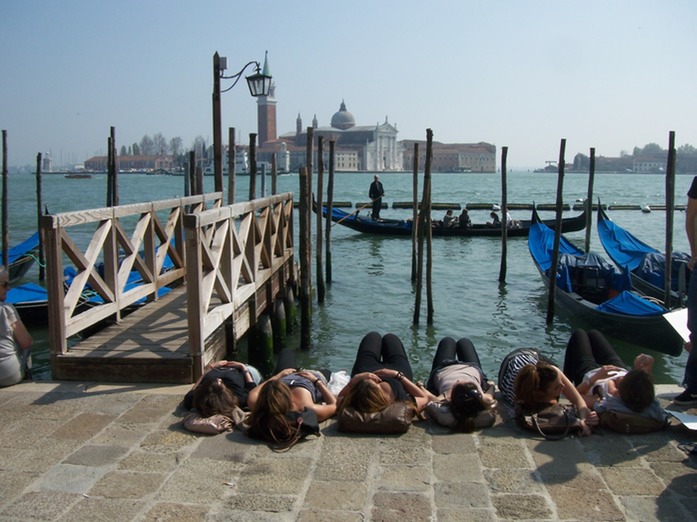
column 376, row 351
column 448, row 350
column 587, row 351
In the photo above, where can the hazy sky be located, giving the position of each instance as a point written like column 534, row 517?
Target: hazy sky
column 605, row 74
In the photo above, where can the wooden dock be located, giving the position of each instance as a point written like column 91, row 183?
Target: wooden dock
column 226, row 266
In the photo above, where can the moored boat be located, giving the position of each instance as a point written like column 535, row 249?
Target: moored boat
column 22, row 256
column 646, row 263
column 596, row 292
column 402, row 227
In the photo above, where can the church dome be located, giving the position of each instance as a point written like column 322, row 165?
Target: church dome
column 343, row 119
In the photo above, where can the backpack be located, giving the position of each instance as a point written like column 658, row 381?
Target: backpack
column 629, row 422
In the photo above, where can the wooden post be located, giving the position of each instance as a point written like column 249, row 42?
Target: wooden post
column 557, row 236
column 420, row 225
column 217, row 127
column 589, row 201
column 305, row 256
column 429, row 229
column 670, row 207
column 330, row 204
column 192, row 173
column 231, row 166
column 504, row 218
column 252, row 166
column 5, row 223
column 199, row 180
column 414, row 213
column 274, row 175
column 319, row 246
column 114, row 169
column 39, row 205
column 109, row 181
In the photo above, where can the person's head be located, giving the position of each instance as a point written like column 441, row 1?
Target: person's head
column 268, row 420
column 537, row 383
column 449, row 212
column 376, row 177
column 494, row 215
column 365, row 396
column 212, row 397
column 4, row 282
column 636, row 390
column 464, row 212
column 466, row 403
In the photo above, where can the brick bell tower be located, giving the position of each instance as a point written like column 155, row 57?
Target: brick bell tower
column 266, row 111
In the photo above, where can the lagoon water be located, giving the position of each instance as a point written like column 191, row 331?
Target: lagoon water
column 371, row 288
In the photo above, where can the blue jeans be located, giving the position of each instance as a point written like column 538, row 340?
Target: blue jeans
column 690, row 379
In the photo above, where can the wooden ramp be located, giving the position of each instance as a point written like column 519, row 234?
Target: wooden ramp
column 148, row 345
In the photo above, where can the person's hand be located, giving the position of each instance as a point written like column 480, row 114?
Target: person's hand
column 592, row 419
column 585, row 429
column 308, row 375
column 385, row 373
column 285, row 372
column 605, row 371
column 367, row 375
column 644, row 362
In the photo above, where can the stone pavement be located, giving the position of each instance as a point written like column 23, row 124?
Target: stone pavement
column 74, row 452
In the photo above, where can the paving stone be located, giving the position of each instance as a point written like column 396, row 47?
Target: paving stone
column 594, row 502
column 127, row 484
column 521, row 481
column 522, row 507
column 201, row 481
column 404, row 478
column 494, row 454
column 150, row 462
column 92, row 455
column 275, row 476
column 41, row 457
column 454, row 443
column 40, row 505
column 91, row 509
column 470, row 515
column 678, row 478
column 168, row 441
column 256, row 503
column 13, row 482
column 455, row 467
column 233, row 446
column 70, row 478
column 173, row 512
column 120, row 434
column 83, row 427
column 462, row 494
column 336, row 496
column 393, row 451
column 345, row 459
column 388, row 507
column 632, row 481
column 312, row 515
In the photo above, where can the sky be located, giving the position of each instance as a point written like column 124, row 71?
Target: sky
column 606, row 74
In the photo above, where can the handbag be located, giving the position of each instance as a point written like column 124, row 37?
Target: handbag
column 306, row 420
column 553, row 422
column 396, row 418
column 629, row 423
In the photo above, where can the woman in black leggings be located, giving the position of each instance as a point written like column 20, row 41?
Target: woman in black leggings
column 381, row 375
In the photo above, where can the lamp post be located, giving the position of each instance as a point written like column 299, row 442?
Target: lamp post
column 259, row 84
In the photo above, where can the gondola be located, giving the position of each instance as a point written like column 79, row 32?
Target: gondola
column 401, row 227
column 22, row 256
column 31, row 302
column 599, row 294
column 646, row 264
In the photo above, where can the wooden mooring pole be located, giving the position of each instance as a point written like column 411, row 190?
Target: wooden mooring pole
column 670, row 206
column 415, row 215
column 5, row 223
column 504, row 220
column 429, row 229
column 305, row 263
column 39, row 205
column 330, row 205
column 252, row 166
column 231, row 166
column 589, row 201
column 557, row 236
column 318, row 248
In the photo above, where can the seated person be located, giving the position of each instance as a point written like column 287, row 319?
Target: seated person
column 289, row 391
column 464, row 220
column 224, row 386
column 511, row 223
column 458, row 383
column 449, row 219
column 495, row 221
column 534, row 382
column 15, row 340
column 604, row 381
column 381, row 375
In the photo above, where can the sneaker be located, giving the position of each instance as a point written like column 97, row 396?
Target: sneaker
column 686, row 398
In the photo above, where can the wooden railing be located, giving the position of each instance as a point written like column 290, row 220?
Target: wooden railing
column 238, row 258
column 111, row 255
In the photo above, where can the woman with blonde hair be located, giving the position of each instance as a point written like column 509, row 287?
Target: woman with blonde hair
column 14, row 338
column 282, row 404
column 381, row 375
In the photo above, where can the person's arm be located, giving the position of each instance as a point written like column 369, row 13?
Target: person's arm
column 21, row 334
column 412, row 389
column 588, row 417
column 586, row 386
column 254, row 393
column 690, row 218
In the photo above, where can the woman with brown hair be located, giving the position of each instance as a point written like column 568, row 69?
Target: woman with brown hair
column 381, row 375
column 282, row 404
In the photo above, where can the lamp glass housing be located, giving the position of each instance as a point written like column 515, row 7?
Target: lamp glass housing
column 259, row 84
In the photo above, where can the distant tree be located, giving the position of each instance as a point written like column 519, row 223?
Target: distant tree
column 136, row 150
column 124, row 151
column 199, row 147
column 686, row 149
column 651, row 149
column 175, row 146
column 159, row 144
column 147, row 146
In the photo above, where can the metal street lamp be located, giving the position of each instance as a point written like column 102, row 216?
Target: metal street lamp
column 259, row 84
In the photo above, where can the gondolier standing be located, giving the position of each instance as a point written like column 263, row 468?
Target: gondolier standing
column 375, row 194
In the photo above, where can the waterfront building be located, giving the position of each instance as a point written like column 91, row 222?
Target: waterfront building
column 452, row 157
column 134, row 163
